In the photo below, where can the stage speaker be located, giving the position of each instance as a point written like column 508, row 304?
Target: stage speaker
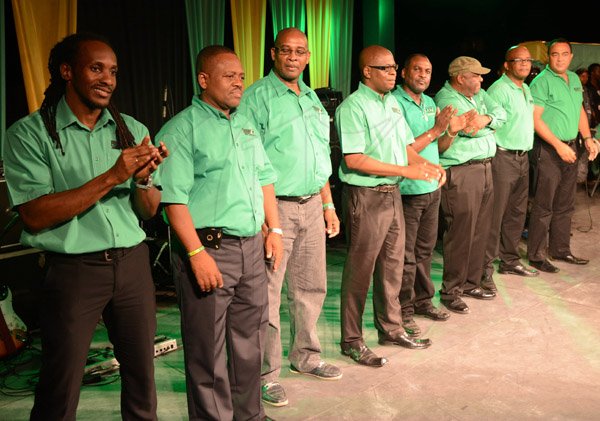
column 10, row 223
column 331, row 100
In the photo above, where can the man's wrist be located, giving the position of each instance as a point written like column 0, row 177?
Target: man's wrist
column 145, row 183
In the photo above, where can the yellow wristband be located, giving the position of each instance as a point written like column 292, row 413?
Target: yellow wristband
column 195, row 252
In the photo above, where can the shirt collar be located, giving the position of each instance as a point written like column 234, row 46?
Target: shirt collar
column 197, row 102
column 365, row 90
column 65, row 117
column 281, row 88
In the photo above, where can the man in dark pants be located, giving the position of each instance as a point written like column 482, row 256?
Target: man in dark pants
column 218, row 192
column 558, row 116
column 467, row 197
column 374, row 137
column 79, row 174
column 421, row 199
column 510, row 167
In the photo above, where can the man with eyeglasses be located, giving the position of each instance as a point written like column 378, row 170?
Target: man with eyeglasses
column 374, row 137
column 294, row 128
column 467, row 198
column 510, row 167
column 558, row 117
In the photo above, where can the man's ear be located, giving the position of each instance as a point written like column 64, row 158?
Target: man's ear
column 202, row 80
column 66, row 72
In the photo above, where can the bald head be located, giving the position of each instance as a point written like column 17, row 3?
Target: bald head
column 516, row 51
column 286, row 33
column 371, row 55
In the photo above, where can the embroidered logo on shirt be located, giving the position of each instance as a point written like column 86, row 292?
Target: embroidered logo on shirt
column 248, row 132
column 396, row 110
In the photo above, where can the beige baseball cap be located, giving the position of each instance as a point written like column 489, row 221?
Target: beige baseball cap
column 466, row 64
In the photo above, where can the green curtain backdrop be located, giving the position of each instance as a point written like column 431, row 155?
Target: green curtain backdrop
column 206, row 26
column 248, row 18
column 2, row 78
column 378, row 21
column 288, row 14
column 342, row 15
column 318, row 14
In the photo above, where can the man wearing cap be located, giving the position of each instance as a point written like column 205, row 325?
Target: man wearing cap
column 467, row 197
column 374, row 137
column 510, row 166
column 558, row 116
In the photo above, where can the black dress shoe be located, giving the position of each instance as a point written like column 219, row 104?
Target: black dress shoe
column 363, row 355
column 406, row 342
column 569, row 258
column 479, row 293
column 456, row 305
column 544, row 266
column 517, row 270
column 433, row 313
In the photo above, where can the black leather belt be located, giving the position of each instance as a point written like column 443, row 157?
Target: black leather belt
column 104, row 256
column 570, row 142
column 297, row 199
column 516, row 152
column 384, row 188
column 477, row 161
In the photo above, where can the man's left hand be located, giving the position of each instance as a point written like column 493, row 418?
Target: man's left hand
column 332, row 223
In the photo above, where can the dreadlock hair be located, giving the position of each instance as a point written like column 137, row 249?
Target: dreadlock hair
column 66, row 51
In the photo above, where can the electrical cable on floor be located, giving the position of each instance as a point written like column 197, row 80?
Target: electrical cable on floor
column 16, row 379
column 589, row 210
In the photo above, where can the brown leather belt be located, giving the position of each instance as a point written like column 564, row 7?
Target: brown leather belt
column 384, row 188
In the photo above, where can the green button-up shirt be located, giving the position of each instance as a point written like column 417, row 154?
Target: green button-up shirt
column 517, row 133
column 294, row 131
column 561, row 101
column 34, row 167
column 374, row 126
column 467, row 147
column 217, row 167
column 420, row 118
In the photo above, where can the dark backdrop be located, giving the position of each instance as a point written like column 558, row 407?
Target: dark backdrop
column 150, row 38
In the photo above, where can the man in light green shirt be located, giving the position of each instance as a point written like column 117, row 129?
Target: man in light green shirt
column 374, row 137
column 467, row 199
column 218, row 192
column 510, row 167
column 79, row 174
column 294, row 128
column 558, row 116
column 421, row 199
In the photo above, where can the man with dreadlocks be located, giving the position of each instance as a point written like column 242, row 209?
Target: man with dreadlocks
column 80, row 174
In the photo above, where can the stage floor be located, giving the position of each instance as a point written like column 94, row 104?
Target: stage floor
column 531, row 353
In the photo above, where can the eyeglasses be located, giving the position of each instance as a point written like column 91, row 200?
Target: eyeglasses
column 520, row 60
column 388, row 69
column 288, row 51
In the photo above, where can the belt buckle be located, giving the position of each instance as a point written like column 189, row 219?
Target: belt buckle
column 107, row 256
column 304, row 199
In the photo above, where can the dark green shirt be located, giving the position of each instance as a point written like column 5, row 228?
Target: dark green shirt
column 34, row 167
column 561, row 101
column 420, row 118
column 217, row 167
